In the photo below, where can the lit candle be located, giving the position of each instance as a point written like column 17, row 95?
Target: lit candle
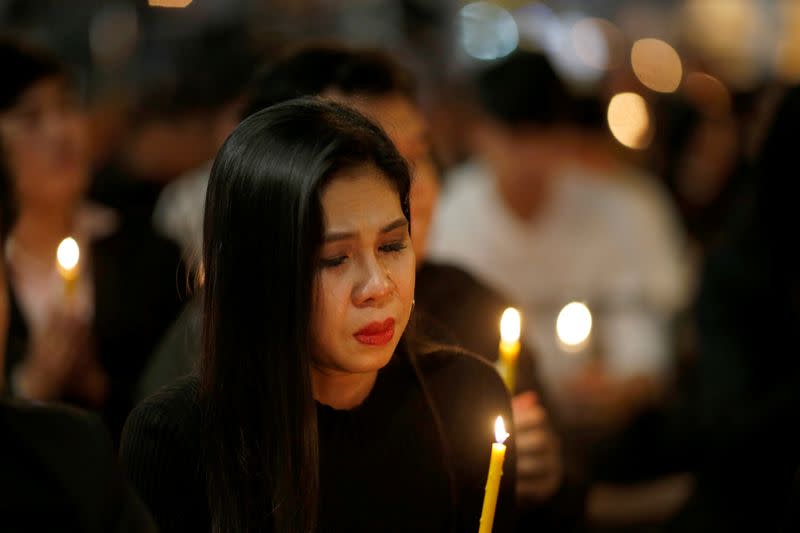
column 574, row 326
column 495, row 473
column 510, row 326
column 67, row 257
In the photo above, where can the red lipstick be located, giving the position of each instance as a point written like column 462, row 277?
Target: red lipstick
column 376, row 333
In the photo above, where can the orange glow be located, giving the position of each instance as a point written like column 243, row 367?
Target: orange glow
column 629, row 120
column 169, row 3
column 657, row 65
column 707, row 93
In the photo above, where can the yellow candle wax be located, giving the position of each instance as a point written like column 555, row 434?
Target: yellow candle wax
column 67, row 257
column 493, row 479
column 510, row 327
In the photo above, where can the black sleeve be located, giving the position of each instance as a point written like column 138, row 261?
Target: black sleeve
column 470, row 395
column 160, row 453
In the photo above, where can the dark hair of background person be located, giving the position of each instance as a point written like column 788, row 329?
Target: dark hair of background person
column 314, row 69
column 24, row 65
column 174, row 78
column 259, row 416
column 524, row 90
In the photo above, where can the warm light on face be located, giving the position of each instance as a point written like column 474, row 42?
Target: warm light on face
column 657, row 65
column 574, row 324
column 510, row 325
column 68, row 254
column 500, row 433
column 629, row 120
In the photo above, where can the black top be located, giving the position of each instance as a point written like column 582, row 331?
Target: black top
column 59, row 472
column 382, row 464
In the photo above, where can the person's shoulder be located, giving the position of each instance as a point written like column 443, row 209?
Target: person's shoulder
column 457, row 371
column 174, row 405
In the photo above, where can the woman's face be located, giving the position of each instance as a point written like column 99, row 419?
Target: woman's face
column 45, row 141
column 365, row 285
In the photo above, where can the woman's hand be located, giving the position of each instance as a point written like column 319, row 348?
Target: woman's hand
column 539, row 466
column 60, row 362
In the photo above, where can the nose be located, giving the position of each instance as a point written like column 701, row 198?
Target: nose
column 375, row 284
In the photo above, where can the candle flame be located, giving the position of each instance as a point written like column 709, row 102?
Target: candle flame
column 68, row 254
column 500, row 433
column 574, row 324
column 510, row 325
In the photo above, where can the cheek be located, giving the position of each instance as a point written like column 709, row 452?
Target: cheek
column 332, row 298
column 404, row 275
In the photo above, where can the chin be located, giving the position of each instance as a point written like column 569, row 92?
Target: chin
column 370, row 358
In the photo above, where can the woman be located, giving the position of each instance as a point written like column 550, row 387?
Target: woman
column 316, row 412
column 89, row 346
column 59, row 467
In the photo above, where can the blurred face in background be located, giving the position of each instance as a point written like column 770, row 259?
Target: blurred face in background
column 407, row 128
column 45, row 145
column 523, row 160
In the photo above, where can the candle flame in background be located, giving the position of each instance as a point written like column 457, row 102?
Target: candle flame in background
column 68, row 254
column 169, row 3
column 510, row 325
column 487, row 31
column 657, row 65
column 574, row 324
column 629, row 120
column 500, row 433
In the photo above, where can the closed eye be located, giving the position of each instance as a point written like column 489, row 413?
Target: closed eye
column 395, row 246
column 330, row 262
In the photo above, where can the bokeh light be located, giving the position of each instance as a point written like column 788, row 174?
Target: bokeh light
column 598, row 43
column 657, row 65
column 733, row 36
column 574, row 325
column 487, row 31
column 707, row 93
column 629, row 120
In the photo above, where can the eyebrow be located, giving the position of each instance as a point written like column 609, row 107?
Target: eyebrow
column 341, row 236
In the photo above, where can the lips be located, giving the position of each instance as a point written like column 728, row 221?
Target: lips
column 376, row 333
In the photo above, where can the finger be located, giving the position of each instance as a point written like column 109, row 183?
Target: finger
column 535, row 441
column 539, row 489
column 536, row 466
column 525, row 399
column 530, row 417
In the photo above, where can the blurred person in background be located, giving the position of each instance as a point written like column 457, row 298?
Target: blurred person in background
column 59, row 467
column 546, row 214
column 88, row 346
column 187, row 99
column 451, row 305
column 746, row 387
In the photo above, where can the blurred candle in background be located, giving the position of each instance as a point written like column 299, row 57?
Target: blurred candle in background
column 67, row 258
column 510, row 327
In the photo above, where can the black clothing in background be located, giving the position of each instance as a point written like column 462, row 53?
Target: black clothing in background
column 138, row 279
column 457, row 308
column 59, row 472
column 381, row 464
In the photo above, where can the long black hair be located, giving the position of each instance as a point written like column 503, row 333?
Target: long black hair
column 262, row 232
